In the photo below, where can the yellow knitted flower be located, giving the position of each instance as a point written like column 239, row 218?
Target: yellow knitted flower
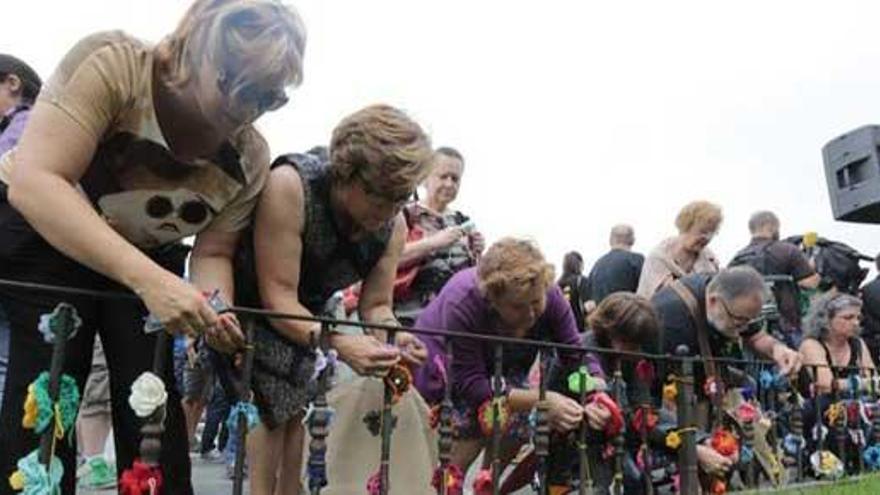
column 673, row 440
column 670, row 391
column 16, row 481
column 30, row 409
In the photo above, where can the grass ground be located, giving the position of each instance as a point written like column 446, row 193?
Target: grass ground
column 868, row 485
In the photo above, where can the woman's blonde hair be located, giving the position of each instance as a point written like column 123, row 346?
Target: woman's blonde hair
column 384, row 148
column 247, row 41
column 513, row 266
column 698, row 214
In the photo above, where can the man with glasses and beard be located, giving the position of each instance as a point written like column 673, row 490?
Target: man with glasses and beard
column 715, row 316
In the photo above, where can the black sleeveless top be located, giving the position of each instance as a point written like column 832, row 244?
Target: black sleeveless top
column 330, row 261
column 855, row 360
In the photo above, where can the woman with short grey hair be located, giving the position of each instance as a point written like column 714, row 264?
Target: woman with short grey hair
column 831, row 339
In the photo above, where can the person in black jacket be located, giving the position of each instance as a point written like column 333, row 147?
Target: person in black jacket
column 616, row 271
column 574, row 286
column 871, row 313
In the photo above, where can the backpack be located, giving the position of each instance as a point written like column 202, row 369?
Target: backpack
column 837, row 263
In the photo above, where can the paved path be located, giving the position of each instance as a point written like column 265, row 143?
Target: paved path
column 208, row 479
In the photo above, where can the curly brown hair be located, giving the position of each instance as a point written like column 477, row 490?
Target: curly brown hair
column 624, row 317
column 384, row 148
column 513, row 266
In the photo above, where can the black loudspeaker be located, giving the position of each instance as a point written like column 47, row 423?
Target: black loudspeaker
column 852, row 171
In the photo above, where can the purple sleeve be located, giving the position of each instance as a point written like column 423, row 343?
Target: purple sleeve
column 13, row 131
column 561, row 320
column 469, row 370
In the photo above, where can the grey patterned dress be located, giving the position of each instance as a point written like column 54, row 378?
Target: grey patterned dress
column 330, row 261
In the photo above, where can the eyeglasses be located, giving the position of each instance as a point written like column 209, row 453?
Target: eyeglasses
column 738, row 320
column 193, row 212
column 262, row 100
column 251, row 96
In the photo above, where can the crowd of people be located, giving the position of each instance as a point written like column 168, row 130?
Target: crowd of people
column 129, row 148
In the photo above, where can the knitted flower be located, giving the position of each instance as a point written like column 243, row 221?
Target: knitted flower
column 39, row 410
column 399, row 379
column 724, row 442
column 645, row 371
column 246, row 409
column 140, row 479
column 574, row 381
column 793, row 444
column 615, row 422
column 486, row 414
column 718, row 487
column 31, row 478
column 747, row 412
column 483, row 482
column 712, row 387
column 454, row 479
column 147, row 394
column 826, row 464
column 670, row 391
column 374, row 484
column 643, row 417
column 673, row 440
column 872, row 457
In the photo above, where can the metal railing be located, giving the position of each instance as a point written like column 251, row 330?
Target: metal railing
column 781, row 398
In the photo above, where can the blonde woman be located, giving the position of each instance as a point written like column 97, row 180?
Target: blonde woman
column 688, row 252
column 326, row 220
column 130, row 148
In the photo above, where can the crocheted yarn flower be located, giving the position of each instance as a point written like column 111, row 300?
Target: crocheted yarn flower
column 454, row 479
column 718, row 487
column 49, row 324
column 140, row 479
column 39, row 410
column 147, row 394
column 747, row 412
column 712, row 387
column 574, row 381
column 673, row 440
column 399, row 379
column 31, row 478
column 724, row 442
column 871, row 455
column 483, row 482
column 835, row 413
column 792, row 444
column 670, row 391
column 615, row 422
column 826, row 464
column 246, row 409
column 486, row 414
column 643, row 417
column 374, row 484
column 645, row 371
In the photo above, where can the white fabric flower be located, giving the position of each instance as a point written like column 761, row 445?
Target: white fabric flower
column 147, row 394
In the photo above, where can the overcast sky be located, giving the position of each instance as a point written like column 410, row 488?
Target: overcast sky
column 572, row 116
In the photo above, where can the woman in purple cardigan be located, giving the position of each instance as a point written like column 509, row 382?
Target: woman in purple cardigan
column 510, row 293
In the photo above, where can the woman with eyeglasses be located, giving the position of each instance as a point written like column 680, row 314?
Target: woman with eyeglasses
column 835, row 359
column 130, row 148
column 831, row 340
column 327, row 219
column 688, row 252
